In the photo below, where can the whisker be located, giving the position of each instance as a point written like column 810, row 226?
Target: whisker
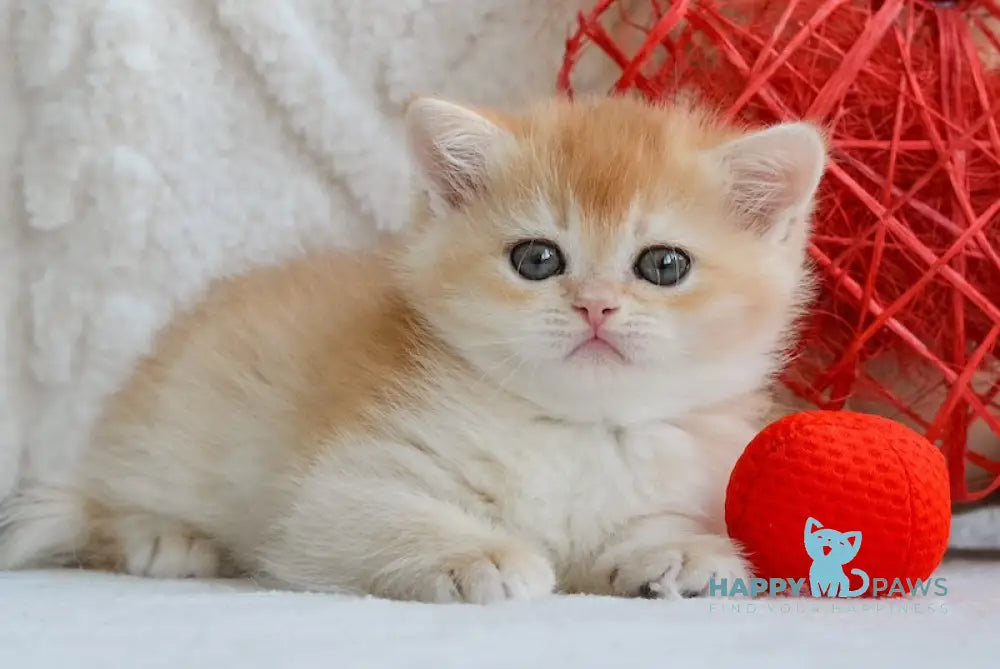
column 491, row 369
column 503, row 382
column 498, row 342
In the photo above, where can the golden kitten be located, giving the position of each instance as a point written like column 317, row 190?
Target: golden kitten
column 543, row 384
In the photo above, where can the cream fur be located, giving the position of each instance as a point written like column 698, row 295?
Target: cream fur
column 413, row 423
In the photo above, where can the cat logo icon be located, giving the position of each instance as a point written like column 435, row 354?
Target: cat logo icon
column 830, row 550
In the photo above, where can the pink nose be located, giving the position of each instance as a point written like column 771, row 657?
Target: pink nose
column 595, row 312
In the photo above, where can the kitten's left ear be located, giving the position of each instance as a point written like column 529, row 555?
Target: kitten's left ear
column 772, row 176
column 453, row 146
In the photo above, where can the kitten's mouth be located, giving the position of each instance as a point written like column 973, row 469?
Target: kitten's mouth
column 596, row 347
column 827, row 550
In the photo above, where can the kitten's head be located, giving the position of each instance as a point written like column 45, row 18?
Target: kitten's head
column 826, row 545
column 609, row 259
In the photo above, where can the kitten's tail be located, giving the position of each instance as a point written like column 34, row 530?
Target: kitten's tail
column 41, row 525
column 865, row 582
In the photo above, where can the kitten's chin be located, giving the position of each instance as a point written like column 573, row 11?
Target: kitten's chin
column 592, row 385
column 596, row 385
column 611, row 384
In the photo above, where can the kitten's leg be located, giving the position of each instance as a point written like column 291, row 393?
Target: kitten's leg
column 47, row 525
column 147, row 545
column 386, row 538
column 666, row 556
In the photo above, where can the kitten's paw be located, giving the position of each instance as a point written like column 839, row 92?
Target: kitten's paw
column 165, row 549
column 493, row 576
column 677, row 569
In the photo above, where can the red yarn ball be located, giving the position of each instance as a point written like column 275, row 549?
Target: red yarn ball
column 851, row 472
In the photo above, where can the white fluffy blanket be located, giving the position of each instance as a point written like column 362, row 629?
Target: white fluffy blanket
column 148, row 146
column 88, row 621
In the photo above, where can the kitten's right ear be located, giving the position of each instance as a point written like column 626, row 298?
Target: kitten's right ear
column 453, row 146
column 812, row 524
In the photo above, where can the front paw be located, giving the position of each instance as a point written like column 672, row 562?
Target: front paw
column 492, row 575
column 683, row 568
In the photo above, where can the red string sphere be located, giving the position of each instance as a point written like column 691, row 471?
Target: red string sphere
column 907, row 232
column 851, row 472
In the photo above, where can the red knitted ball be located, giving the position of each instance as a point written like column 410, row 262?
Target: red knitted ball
column 851, row 472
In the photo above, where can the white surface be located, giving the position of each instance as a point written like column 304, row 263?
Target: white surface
column 81, row 620
column 977, row 528
column 165, row 142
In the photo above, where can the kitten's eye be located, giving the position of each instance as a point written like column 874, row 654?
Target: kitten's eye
column 662, row 265
column 537, row 259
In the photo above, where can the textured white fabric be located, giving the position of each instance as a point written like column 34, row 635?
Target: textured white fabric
column 11, row 222
column 84, row 621
column 166, row 142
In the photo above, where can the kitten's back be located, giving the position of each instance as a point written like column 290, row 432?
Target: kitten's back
column 253, row 380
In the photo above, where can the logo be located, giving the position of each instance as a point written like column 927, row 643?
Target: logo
column 831, row 551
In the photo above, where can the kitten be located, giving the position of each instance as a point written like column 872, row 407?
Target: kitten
column 542, row 385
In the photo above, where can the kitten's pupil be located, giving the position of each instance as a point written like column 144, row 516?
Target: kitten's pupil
column 537, row 259
column 662, row 265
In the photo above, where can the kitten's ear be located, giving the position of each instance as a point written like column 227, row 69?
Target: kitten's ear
column 453, row 147
column 772, row 176
column 812, row 524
